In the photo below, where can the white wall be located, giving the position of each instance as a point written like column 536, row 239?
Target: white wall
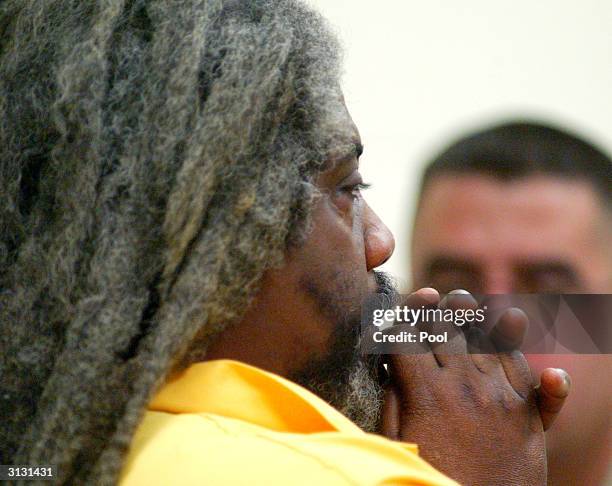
column 420, row 72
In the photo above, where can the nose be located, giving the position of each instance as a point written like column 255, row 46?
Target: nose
column 498, row 280
column 379, row 241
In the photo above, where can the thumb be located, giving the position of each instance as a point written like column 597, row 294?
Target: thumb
column 554, row 388
column 390, row 420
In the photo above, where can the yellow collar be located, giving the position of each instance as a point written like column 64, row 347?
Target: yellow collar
column 240, row 391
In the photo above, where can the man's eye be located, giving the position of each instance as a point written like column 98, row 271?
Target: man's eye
column 354, row 190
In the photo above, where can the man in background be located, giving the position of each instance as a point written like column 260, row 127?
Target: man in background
column 526, row 208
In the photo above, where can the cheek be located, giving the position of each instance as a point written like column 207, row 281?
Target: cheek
column 338, row 231
column 333, row 254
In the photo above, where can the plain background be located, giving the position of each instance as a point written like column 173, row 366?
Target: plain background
column 420, row 73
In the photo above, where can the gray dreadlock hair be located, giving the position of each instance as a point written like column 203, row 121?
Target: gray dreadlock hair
column 156, row 157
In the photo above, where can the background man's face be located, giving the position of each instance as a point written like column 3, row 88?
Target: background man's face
column 534, row 234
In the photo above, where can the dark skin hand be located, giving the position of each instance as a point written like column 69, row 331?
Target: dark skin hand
column 476, row 417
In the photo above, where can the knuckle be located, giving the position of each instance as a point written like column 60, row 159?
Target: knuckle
column 508, row 400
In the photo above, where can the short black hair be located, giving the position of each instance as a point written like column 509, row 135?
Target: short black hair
column 518, row 149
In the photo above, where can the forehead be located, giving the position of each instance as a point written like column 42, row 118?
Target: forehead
column 529, row 217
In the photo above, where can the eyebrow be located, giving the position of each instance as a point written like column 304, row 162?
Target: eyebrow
column 552, row 266
column 441, row 263
column 358, row 148
column 355, row 150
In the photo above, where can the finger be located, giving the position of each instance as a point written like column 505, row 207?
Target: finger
column 424, row 297
column 507, row 335
column 376, row 339
column 403, row 357
column 409, row 364
column 446, row 338
column 459, row 299
column 517, row 372
column 390, row 421
column 483, row 353
column 446, row 342
column 552, row 392
column 510, row 330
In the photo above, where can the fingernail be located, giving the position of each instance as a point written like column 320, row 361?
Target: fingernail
column 427, row 290
column 567, row 382
column 458, row 292
column 455, row 296
column 432, row 296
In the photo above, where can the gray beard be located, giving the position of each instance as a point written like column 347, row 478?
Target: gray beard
column 343, row 377
column 354, row 390
column 362, row 398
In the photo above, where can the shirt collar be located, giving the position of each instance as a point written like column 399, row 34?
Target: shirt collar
column 237, row 390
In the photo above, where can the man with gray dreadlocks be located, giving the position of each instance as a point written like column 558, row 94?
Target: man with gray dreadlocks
column 183, row 240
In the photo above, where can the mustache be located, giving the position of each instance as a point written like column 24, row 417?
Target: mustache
column 386, row 285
